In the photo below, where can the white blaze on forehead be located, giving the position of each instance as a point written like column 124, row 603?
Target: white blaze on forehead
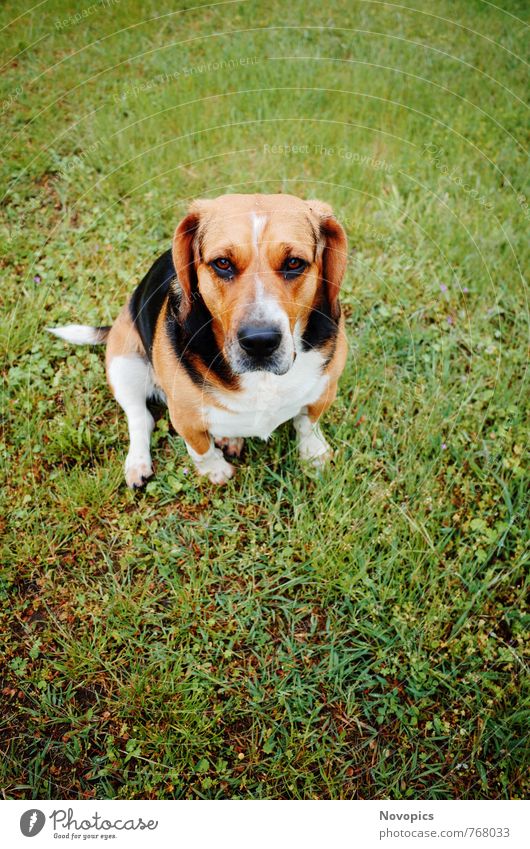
column 265, row 307
column 258, row 223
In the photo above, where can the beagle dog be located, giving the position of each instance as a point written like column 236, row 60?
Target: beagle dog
column 237, row 328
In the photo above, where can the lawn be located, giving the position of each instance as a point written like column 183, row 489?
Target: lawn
column 363, row 635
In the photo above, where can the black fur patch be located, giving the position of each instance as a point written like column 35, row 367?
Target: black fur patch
column 148, row 298
column 194, row 342
column 320, row 327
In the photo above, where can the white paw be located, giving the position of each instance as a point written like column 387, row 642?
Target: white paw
column 319, row 461
column 222, row 473
column 138, row 470
column 312, row 446
column 212, row 464
column 231, row 445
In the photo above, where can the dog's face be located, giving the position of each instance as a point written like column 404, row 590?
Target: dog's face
column 261, row 264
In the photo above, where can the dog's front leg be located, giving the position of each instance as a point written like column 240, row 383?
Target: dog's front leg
column 312, row 445
column 208, row 459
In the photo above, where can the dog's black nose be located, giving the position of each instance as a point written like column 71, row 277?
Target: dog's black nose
column 259, row 341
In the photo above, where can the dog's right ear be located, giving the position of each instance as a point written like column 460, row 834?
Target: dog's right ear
column 185, row 257
column 334, row 254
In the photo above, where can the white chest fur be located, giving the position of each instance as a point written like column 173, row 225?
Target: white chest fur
column 266, row 400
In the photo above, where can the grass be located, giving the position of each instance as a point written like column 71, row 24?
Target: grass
column 361, row 636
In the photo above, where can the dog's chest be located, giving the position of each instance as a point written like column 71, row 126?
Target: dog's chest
column 267, row 400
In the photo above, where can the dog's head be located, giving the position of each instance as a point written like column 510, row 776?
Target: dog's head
column 262, row 265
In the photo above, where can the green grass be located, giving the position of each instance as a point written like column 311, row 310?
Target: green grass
column 362, row 636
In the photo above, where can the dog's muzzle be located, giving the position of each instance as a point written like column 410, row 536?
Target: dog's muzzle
column 260, row 347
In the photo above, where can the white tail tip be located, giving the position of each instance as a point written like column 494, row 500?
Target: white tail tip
column 81, row 334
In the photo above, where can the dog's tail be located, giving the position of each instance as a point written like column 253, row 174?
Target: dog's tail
column 81, row 334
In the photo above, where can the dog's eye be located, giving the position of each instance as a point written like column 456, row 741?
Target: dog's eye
column 223, row 267
column 293, row 266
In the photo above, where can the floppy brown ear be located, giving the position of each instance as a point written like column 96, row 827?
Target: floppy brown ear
column 334, row 259
column 183, row 253
column 334, row 253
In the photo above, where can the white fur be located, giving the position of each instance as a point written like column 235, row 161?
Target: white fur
column 312, row 446
column 267, row 400
column 212, row 464
column 78, row 334
column 258, row 224
column 265, row 307
column 131, row 379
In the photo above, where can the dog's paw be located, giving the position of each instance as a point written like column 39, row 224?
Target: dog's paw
column 222, row 473
column 212, row 464
column 231, row 446
column 138, row 470
column 215, row 467
column 320, row 461
column 314, row 450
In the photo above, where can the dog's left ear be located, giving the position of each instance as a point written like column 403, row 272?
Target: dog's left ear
column 184, row 253
column 334, row 252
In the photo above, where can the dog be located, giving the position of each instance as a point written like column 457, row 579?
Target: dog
column 237, row 328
